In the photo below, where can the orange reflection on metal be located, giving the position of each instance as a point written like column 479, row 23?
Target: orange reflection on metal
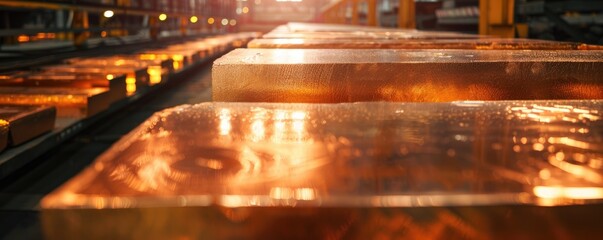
column 131, row 84
column 225, row 124
column 155, row 74
column 568, row 192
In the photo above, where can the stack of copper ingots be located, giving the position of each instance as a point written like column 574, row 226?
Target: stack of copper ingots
column 339, row 132
column 50, row 98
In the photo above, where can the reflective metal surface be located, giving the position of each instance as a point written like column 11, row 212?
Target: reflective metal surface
column 351, row 75
column 70, row 102
column 136, row 78
column 372, row 35
column 116, row 82
column 480, row 44
column 362, row 154
column 238, row 170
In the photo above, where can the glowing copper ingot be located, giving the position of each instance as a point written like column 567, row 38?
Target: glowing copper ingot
column 116, row 83
column 136, row 77
column 158, row 69
column 27, row 122
column 351, row 75
column 372, row 35
column 480, row 44
column 180, row 59
column 70, row 102
column 255, row 170
column 14, row 78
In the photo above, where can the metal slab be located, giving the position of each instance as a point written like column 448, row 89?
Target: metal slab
column 373, row 35
column 27, row 122
column 232, row 170
column 137, row 78
column 479, row 44
column 70, row 102
column 117, row 84
column 351, row 75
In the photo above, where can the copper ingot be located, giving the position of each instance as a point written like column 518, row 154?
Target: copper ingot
column 479, row 44
column 27, row 122
column 157, row 69
column 180, row 58
column 137, row 78
column 352, row 75
column 14, row 78
column 70, row 102
column 260, row 170
column 116, row 83
column 372, row 35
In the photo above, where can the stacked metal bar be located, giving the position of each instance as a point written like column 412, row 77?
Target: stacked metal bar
column 376, row 64
column 27, row 122
column 83, row 87
column 349, row 75
column 70, row 102
column 442, row 168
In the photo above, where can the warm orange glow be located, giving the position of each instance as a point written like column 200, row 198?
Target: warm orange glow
column 568, row 192
column 282, row 193
column 104, row 34
column 110, row 76
column 225, row 124
column 154, row 74
column 148, row 56
column 245, row 9
column 306, row 194
column 23, row 38
column 130, row 84
column 211, row 20
column 194, row 19
column 178, row 61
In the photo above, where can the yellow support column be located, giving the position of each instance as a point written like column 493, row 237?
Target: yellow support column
column 372, row 13
column 496, row 18
column 406, row 14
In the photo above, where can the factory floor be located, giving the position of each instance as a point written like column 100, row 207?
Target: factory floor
column 20, row 195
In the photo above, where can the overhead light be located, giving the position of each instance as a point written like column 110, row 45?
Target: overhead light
column 233, row 22
column 245, row 9
column 108, row 14
column 162, row 17
column 194, row 19
column 224, row 21
column 211, row 20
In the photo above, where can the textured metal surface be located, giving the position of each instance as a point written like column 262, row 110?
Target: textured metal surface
column 70, row 102
column 372, row 35
column 27, row 122
column 224, row 169
column 116, row 83
column 136, row 77
column 480, row 44
column 351, row 75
